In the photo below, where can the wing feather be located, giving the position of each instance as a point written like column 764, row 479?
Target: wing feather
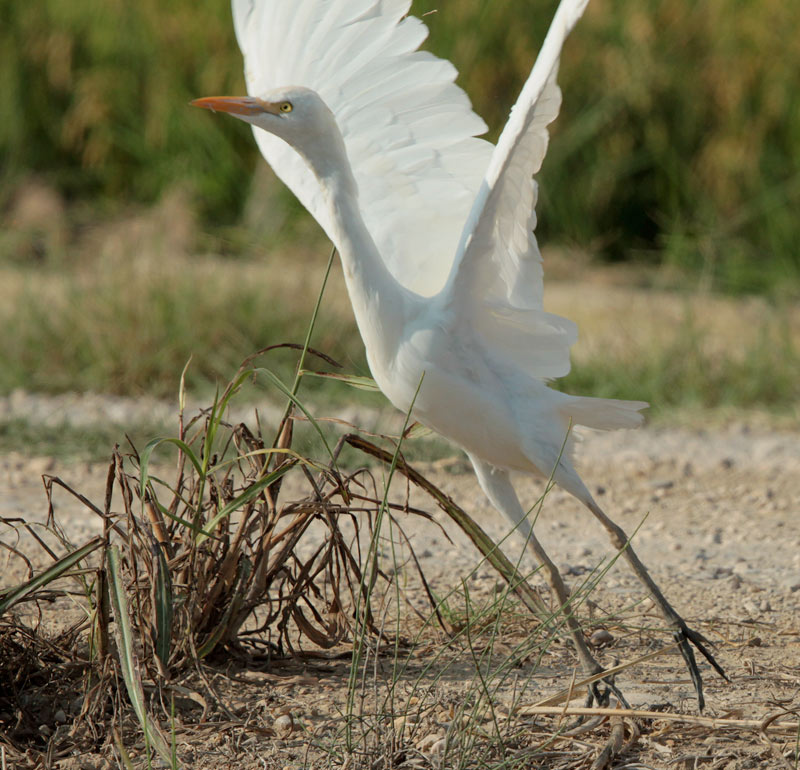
column 408, row 129
column 496, row 283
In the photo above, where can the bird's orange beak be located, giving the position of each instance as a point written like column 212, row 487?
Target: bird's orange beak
column 237, row 105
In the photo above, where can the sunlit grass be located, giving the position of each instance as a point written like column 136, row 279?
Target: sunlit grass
column 682, row 349
column 123, row 311
column 70, row 442
column 128, row 312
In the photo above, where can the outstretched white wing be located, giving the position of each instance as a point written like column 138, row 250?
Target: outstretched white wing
column 408, row 129
column 496, row 284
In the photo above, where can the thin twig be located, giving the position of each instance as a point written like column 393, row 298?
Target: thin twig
column 669, row 716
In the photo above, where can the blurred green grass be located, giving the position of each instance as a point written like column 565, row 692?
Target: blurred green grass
column 127, row 308
column 679, row 132
column 677, row 143
column 95, row 98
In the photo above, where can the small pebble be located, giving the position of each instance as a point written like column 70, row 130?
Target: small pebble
column 601, row 638
column 427, row 742
column 283, row 725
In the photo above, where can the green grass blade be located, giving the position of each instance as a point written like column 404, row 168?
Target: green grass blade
column 127, row 656
column 219, row 633
column 266, row 452
column 280, row 385
column 218, row 410
column 166, row 512
column 55, row 571
column 151, row 447
column 163, row 606
column 312, row 323
column 253, row 491
column 354, row 380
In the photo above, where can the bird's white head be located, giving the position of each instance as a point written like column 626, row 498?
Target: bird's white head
column 297, row 115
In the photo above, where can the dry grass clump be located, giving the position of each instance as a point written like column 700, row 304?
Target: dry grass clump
column 213, row 561
column 247, row 553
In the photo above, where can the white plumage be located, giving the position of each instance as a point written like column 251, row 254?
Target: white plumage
column 408, row 129
column 435, row 231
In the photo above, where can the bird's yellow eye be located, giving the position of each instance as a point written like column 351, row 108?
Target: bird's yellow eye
column 286, row 107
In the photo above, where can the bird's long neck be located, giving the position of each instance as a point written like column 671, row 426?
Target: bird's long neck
column 381, row 304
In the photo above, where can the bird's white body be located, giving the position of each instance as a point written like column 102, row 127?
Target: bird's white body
column 463, row 376
column 434, row 226
column 435, row 229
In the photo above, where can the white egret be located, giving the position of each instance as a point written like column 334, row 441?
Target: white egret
column 434, row 228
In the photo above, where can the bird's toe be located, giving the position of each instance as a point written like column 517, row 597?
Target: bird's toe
column 686, row 637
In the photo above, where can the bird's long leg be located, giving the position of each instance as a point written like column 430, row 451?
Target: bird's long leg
column 497, row 485
column 682, row 633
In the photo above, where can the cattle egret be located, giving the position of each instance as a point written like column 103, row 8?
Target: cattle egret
column 434, row 228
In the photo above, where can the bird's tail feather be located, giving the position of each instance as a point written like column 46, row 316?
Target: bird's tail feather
column 603, row 413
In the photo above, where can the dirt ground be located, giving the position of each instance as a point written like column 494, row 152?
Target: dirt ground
column 718, row 517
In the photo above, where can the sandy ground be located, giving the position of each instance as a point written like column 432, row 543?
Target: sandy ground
column 718, row 517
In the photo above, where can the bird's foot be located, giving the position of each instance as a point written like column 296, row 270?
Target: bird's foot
column 597, row 696
column 601, row 697
column 685, row 637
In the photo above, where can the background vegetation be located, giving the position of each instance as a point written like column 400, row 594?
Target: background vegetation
column 677, row 148
column 678, row 142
